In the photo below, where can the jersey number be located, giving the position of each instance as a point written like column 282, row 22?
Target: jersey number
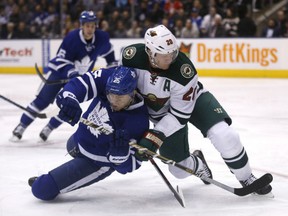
column 169, row 42
column 61, row 53
column 97, row 73
column 189, row 95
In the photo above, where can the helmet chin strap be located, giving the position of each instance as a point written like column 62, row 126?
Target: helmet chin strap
column 151, row 58
column 132, row 101
column 155, row 65
column 152, row 61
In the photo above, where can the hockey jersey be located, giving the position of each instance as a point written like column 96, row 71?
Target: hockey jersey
column 92, row 142
column 169, row 94
column 77, row 56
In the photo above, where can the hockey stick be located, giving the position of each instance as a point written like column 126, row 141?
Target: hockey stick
column 49, row 82
column 177, row 194
column 91, row 124
column 259, row 183
column 38, row 115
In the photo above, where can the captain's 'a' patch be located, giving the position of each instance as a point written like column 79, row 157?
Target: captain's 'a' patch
column 129, row 52
column 187, row 71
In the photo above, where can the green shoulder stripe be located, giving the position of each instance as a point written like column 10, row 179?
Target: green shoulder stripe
column 135, row 56
column 182, row 70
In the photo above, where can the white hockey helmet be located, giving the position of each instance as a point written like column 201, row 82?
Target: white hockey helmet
column 160, row 40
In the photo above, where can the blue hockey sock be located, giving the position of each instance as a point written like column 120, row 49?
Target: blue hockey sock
column 55, row 122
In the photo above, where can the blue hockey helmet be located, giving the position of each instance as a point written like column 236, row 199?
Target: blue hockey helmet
column 123, row 81
column 88, row 16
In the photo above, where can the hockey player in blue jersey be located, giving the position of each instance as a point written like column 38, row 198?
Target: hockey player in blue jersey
column 117, row 108
column 76, row 55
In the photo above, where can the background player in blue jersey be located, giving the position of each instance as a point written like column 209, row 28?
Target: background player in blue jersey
column 117, row 108
column 76, row 55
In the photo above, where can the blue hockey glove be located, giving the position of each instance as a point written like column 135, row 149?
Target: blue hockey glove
column 152, row 140
column 70, row 110
column 119, row 147
column 74, row 74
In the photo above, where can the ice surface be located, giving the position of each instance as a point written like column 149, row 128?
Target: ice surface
column 259, row 108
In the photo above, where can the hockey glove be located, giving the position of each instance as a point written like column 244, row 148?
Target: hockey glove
column 119, row 147
column 72, row 75
column 70, row 110
column 152, row 140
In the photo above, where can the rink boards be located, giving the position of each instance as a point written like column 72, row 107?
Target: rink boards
column 212, row 57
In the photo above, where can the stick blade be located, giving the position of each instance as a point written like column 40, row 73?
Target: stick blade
column 259, row 183
column 180, row 199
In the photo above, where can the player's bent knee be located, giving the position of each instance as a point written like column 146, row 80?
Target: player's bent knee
column 45, row 188
column 72, row 147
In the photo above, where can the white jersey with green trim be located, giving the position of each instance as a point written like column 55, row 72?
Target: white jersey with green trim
column 169, row 94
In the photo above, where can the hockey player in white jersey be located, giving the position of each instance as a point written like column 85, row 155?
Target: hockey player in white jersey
column 76, row 55
column 96, row 154
column 168, row 81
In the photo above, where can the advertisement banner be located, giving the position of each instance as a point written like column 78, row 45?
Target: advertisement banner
column 257, row 57
column 18, row 56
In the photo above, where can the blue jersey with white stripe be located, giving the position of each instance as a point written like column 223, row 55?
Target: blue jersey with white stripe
column 93, row 142
column 76, row 55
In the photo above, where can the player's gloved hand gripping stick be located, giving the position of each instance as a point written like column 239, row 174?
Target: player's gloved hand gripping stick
column 70, row 110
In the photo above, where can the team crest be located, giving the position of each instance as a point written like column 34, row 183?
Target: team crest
column 151, row 97
column 153, row 33
column 99, row 116
column 129, row 52
column 187, row 71
column 155, row 103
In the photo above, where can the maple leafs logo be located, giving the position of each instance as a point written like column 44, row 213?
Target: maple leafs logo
column 83, row 65
column 99, row 116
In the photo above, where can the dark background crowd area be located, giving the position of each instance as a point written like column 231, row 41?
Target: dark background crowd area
column 53, row 19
